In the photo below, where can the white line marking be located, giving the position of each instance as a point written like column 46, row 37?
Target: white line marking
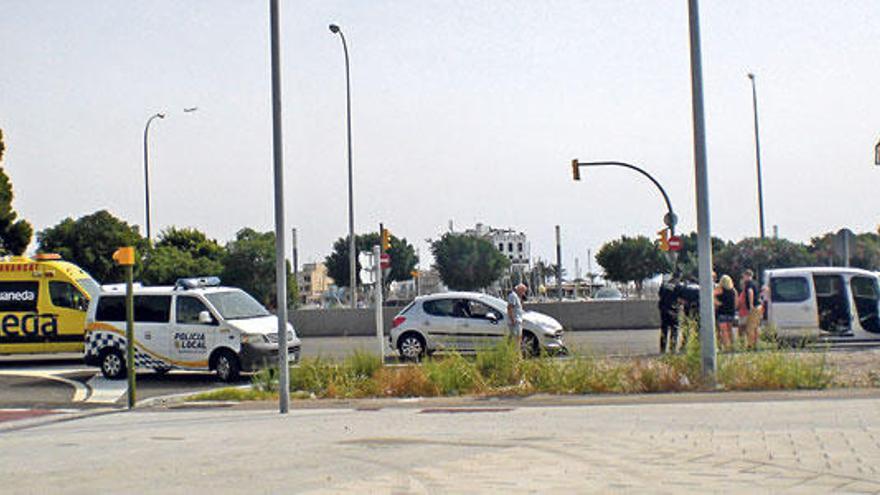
column 80, row 391
column 106, row 391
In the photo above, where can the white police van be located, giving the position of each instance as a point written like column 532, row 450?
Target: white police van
column 194, row 325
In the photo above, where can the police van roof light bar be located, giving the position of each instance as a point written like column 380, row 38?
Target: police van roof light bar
column 196, row 282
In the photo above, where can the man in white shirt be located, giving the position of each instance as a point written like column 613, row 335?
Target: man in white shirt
column 515, row 311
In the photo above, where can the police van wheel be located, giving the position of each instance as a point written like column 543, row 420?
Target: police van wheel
column 227, row 366
column 112, row 364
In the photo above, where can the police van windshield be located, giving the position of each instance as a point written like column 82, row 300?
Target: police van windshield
column 236, row 305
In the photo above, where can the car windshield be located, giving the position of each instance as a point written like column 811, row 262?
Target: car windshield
column 236, row 305
column 90, row 286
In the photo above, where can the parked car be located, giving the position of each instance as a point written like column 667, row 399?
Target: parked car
column 608, row 294
column 824, row 302
column 467, row 321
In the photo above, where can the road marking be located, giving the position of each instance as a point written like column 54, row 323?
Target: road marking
column 106, row 391
column 80, row 391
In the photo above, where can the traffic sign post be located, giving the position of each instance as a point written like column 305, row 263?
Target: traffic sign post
column 377, row 254
column 124, row 257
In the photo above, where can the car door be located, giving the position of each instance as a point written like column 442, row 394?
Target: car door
column 69, row 307
column 793, row 304
column 440, row 323
column 151, row 329
column 866, row 296
column 191, row 340
column 483, row 327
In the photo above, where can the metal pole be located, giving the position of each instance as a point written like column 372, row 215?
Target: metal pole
column 294, row 253
column 352, row 266
column 558, row 265
column 147, row 171
column 278, row 166
column 129, row 336
column 704, row 243
column 758, row 155
column 377, row 258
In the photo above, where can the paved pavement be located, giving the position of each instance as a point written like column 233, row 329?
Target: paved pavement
column 795, row 446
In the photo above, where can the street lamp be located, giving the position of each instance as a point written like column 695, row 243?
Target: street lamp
column 670, row 219
column 758, row 155
column 351, row 242
column 159, row 115
column 147, row 170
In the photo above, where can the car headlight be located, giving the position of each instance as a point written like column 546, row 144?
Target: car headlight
column 253, row 338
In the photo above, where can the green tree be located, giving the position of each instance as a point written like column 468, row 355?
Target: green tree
column 631, row 259
column 90, row 242
column 15, row 235
column 759, row 255
column 250, row 265
column 182, row 253
column 467, row 262
column 403, row 258
column 864, row 253
column 687, row 256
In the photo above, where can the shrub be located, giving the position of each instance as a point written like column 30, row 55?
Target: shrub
column 363, row 364
column 500, row 365
column 265, row 380
column 453, row 375
column 774, row 370
column 408, row 381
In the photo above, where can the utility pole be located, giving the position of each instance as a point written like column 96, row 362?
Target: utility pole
column 758, row 155
column 295, row 253
column 704, row 234
column 278, row 167
column 558, row 265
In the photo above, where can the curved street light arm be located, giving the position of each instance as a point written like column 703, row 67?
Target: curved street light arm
column 646, row 174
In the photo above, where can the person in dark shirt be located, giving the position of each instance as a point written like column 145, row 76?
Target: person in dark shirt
column 668, row 307
column 725, row 310
column 751, row 305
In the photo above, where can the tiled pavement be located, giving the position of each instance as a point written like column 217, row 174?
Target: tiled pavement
column 801, row 446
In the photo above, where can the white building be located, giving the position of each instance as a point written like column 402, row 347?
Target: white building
column 513, row 244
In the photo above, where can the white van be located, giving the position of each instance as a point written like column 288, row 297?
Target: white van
column 195, row 325
column 824, row 302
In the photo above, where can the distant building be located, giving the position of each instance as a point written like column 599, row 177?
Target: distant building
column 512, row 244
column 313, row 282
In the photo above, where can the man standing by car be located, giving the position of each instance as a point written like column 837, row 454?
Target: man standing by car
column 751, row 306
column 515, row 312
column 668, row 306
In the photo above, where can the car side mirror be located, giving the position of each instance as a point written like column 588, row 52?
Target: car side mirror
column 205, row 318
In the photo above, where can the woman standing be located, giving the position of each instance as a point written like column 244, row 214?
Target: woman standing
column 726, row 311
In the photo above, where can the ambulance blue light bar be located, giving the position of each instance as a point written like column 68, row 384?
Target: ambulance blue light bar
column 196, row 282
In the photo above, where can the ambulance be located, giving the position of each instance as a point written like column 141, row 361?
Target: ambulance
column 43, row 304
column 194, row 325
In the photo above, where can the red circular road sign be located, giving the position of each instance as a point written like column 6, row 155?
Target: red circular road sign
column 675, row 243
column 385, row 261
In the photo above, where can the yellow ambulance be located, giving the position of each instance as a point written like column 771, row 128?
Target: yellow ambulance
column 43, row 304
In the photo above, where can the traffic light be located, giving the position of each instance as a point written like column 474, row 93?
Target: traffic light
column 575, row 170
column 386, row 240
column 663, row 239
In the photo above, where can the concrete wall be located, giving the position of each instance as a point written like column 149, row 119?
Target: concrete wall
column 574, row 316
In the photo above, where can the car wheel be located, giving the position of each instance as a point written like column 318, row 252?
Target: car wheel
column 530, row 345
column 112, row 364
column 227, row 366
column 411, row 346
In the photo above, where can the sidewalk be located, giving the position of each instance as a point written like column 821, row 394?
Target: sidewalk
column 789, row 446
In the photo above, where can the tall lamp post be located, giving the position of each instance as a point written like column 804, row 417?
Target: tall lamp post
column 147, row 171
column 758, row 154
column 351, row 241
column 155, row 116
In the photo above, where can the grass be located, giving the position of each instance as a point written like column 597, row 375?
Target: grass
column 501, row 370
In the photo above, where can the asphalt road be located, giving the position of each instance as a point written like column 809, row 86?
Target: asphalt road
column 62, row 381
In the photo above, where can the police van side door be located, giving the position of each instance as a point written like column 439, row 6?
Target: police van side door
column 151, row 330
column 192, row 339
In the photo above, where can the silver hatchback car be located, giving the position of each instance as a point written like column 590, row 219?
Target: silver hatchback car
column 467, row 321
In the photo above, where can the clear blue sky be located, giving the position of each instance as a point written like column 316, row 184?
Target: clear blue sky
column 463, row 110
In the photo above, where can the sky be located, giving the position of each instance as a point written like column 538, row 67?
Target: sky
column 463, row 111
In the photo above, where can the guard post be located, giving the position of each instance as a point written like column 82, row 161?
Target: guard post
column 124, row 257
